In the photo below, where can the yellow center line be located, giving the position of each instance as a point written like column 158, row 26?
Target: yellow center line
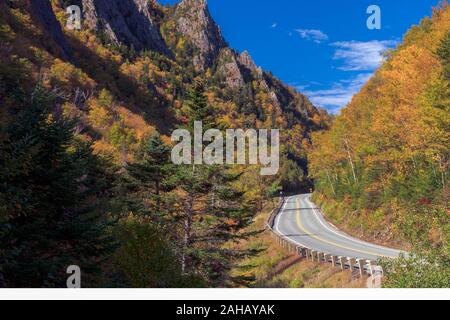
column 300, row 225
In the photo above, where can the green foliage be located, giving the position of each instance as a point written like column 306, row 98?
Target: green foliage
column 145, row 184
column 429, row 270
column 121, row 137
column 49, row 218
column 384, row 164
column 51, row 176
column 145, row 257
column 198, row 107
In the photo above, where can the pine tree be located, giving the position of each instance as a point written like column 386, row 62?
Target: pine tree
column 198, row 107
column 209, row 208
column 50, row 186
column 148, row 175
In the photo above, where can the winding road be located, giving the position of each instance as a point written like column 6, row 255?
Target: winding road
column 302, row 223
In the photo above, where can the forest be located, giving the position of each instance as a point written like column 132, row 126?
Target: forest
column 383, row 167
column 86, row 176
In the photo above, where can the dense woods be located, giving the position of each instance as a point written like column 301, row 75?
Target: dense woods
column 85, row 122
column 383, row 168
column 85, row 171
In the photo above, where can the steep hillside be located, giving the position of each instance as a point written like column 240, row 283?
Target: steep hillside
column 382, row 170
column 122, row 53
column 85, row 121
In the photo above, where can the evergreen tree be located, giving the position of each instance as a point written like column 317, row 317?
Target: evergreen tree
column 210, row 210
column 198, row 107
column 147, row 177
column 50, row 186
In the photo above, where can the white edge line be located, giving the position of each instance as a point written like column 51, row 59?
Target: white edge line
column 348, row 237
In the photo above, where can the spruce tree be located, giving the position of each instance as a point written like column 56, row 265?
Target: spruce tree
column 50, row 186
column 147, row 177
column 210, row 210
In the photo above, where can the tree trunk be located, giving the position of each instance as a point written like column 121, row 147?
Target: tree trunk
column 331, row 183
column 187, row 233
column 158, row 200
column 347, row 147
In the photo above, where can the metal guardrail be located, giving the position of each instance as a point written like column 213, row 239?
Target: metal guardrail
column 274, row 214
column 362, row 266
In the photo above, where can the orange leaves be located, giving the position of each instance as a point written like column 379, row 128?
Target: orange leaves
column 66, row 76
column 408, row 74
column 397, row 126
column 136, row 122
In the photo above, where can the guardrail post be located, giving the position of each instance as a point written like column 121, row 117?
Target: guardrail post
column 308, row 254
column 320, row 257
column 330, row 258
column 361, row 264
column 351, row 262
column 304, row 254
column 333, row 260
column 313, row 255
column 371, row 267
column 342, row 262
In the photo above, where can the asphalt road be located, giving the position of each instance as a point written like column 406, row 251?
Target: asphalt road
column 301, row 222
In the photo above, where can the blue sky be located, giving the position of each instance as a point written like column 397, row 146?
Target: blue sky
column 321, row 47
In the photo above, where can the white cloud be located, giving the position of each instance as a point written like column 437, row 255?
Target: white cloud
column 274, row 25
column 359, row 56
column 313, row 35
column 339, row 95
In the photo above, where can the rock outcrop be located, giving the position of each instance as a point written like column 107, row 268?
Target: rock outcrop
column 128, row 22
column 229, row 69
column 195, row 23
column 247, row 61
column 42, row 11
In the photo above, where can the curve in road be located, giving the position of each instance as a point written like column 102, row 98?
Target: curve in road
column 302, row 223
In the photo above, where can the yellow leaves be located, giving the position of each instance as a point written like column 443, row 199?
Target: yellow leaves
column 71, row 111
column 398, row 125
column 99, row 117
column 136, row 122
column 65, row 75
column 181, row 45
column 407, row 76
column 104, row 148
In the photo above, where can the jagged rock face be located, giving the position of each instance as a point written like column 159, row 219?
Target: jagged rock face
column 246, row 60
column 42, row 11
column 128, row 22
column 228, row 67
column 194, row 22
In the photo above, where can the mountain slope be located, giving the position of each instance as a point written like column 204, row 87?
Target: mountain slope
column 129, row 22
column 121, row 54
column 85, row 129
column 382, row 170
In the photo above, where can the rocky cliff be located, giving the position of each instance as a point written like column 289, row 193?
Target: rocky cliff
column 189, row 24
column 247, row 61
column 194, row 22
column 129, row 22
column 230, row 69
column 42, row 12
